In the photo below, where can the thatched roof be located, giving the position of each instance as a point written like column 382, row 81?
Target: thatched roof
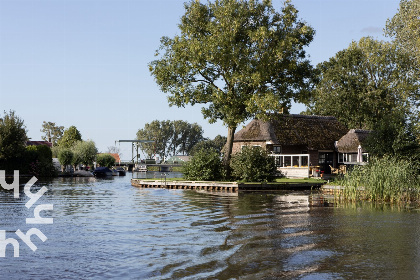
column 351, row 141
column 315, row 132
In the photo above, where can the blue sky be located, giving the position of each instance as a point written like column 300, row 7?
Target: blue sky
column 84, row 62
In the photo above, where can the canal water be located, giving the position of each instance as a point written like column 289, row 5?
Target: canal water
column 107, row 229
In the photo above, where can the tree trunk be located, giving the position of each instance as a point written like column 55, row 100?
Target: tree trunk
column 228, row 151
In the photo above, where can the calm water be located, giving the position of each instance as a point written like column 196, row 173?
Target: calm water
column 108, row 229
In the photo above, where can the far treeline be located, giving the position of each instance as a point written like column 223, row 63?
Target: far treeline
column 171, row 137
column 175, row 138
column 67, row 146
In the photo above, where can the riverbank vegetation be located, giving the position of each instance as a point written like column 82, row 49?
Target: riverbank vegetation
column 386, row 179
column 205, row 165
column 105, row 160
column 252, row 164
column 71, row 149
column 16, row 155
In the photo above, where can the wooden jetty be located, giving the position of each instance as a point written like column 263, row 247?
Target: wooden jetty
column 223, row 186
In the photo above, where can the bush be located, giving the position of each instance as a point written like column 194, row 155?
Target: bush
column 38, row 161
column 105, row 160
column 253, row 164
column 205, row 165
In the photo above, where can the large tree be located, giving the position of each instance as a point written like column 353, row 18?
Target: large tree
column 65, row 157
column 364, row 83
column 404, row 27
column 159, row 131
column 169, row 137
column 189, row 137
column 70, row 137
column 84, row 152
column 52, row 132
column 180, row 129
column 12, row 136
column 241, row 58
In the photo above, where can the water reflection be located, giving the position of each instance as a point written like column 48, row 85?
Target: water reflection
column 109, row 229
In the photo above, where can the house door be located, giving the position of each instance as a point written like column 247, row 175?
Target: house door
column 325, row 160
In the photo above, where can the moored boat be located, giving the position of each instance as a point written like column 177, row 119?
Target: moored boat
column 102, row 172
column 121, row 171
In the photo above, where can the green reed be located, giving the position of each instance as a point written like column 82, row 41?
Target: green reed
column 387, row 179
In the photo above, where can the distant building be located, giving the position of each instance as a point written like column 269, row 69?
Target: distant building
column 38, row 143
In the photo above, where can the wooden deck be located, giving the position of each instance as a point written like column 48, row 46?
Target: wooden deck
column 222, row 186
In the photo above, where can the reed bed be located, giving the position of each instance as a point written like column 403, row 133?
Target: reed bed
column 387, row 180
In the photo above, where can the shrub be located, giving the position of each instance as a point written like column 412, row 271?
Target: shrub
column 205, row 165
column 38, row 161
column 253, row 164
column 105, row 160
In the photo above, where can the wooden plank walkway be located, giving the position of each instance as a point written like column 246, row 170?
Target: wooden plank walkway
column 222, row 186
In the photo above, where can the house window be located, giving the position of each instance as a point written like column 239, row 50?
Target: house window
column 288, row 161
column 351, row 158
column 296, row 161
column 277, row 150
column 365, row 157
column 253, row 146
column 304, row 161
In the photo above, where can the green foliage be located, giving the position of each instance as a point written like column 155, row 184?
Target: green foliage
column 70, row 137
column 65, row 157
column 394, row 137
column 158, row 131
column 404, row 27
column 52, row 132
column 55, row 151
column 38, row 161
column 253, row 164
column 105, row 160
column 205, row 165
column 84, row 152
column 385, row 179
column 180, row 132
column 241, row 58
column 365, row 83
column 217, row 144
column 170, row 137
column 12, row 137
column 189, row 137
column 14, row 155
